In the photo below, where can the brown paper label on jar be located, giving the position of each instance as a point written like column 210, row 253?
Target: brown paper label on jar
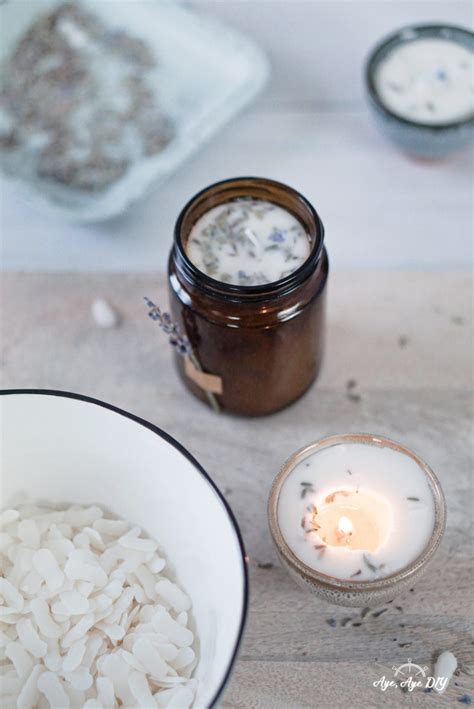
column 208, row 382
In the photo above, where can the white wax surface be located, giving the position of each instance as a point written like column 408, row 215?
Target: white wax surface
column 376, row 470
column 248, row 242
column 427, row 81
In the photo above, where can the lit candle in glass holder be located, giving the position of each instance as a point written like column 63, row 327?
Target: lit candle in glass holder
column 350, row 519
column 356, row 517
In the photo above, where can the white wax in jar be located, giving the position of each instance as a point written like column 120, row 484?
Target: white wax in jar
column 356, row 511
column 427, row 81
column 248, row 242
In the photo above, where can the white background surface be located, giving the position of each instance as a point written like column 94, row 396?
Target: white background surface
column 310, row 129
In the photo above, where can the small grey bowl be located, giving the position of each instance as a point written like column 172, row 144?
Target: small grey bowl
column 418, row 139
column 344, row 592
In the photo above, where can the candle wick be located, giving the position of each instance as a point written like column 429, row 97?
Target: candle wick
column 252, row 238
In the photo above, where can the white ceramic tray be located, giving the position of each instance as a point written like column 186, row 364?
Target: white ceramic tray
column 206, row 73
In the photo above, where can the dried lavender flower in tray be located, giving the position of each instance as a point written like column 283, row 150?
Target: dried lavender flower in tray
column 78, row 105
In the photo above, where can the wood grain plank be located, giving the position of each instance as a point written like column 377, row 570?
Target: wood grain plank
column 297, row 650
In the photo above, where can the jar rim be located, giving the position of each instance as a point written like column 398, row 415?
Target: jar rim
column 238, row 292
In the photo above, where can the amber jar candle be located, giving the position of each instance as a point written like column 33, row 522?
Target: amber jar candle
column 259, row 345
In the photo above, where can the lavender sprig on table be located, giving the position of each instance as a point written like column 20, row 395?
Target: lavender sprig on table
column 180, row 342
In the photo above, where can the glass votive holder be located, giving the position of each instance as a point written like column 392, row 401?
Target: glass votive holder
column 356, row 518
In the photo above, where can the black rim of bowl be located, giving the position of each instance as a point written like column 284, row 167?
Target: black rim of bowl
column 403, row 36
column 172, row 441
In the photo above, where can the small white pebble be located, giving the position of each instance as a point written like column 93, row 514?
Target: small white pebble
column 103, row 313
column 444, row 667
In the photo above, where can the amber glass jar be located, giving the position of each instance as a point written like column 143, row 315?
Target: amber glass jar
column 262, row 344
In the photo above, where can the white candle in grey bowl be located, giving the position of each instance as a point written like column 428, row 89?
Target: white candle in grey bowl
column 429, row 80
column 420, row 88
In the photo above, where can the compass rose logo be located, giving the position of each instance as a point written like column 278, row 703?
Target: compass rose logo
column 410, row 670
column 410, row 676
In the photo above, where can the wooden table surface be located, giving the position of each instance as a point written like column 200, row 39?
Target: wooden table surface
column 406, row 338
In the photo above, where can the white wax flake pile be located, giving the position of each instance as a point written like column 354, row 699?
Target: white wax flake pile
column 87, row 615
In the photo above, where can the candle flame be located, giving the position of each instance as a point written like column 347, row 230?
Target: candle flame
column 345, row 525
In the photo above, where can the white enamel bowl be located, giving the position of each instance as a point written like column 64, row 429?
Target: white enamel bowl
column 63, row 448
